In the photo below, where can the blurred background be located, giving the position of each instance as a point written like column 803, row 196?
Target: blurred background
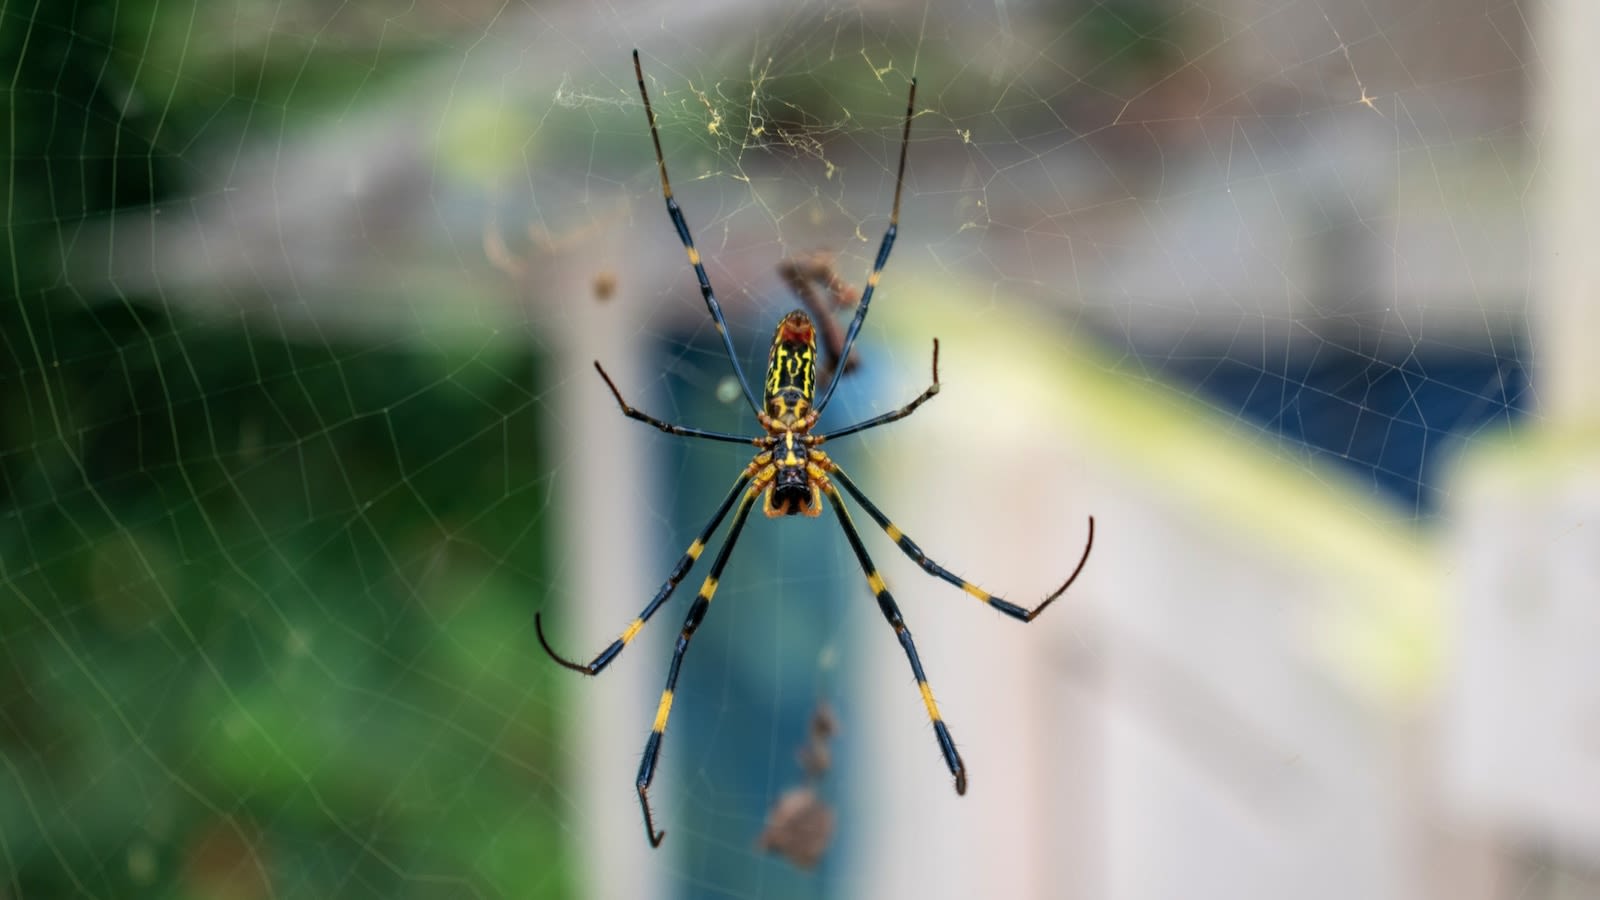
column 299, row 430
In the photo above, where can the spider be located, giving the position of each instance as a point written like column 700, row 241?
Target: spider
column 791, row 475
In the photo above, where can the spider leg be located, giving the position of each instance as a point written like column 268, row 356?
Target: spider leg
column 910, row 549
column 685, row 563
column 688, row 241
column 668, row 427
column 891, row 613
column 697, row 612
column 883, row 250
column 894, row 416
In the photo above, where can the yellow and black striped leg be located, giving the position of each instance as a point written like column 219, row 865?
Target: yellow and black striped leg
column 932, row 568
column 688, row 241
column 685, row 562
column 668, row 427
column 894, row 416
column 697, row 612
column 891, row 612
column 883, row 251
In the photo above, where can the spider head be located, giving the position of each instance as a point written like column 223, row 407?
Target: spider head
column 791, row 368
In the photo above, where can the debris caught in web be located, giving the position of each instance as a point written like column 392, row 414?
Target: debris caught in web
column 804, row 274
column 800, row 824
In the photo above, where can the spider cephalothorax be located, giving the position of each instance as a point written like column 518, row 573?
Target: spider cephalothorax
column 793, row 475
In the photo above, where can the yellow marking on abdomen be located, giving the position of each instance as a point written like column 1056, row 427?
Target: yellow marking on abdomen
column 927, row 699
column 665, row 709
column 872, row 280
column 875, row 581
column 975, row 591
column 694, row 256
column 632, row 630
column 894, row 533
column 709, row 588
column 697, row 548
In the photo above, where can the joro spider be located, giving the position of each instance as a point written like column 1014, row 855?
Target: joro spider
column 793, row 475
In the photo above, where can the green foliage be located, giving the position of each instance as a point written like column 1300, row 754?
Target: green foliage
column 1133, row 36
column 267, row 595
column 273, row 588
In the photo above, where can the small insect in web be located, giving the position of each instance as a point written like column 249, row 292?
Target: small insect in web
column 791, row 475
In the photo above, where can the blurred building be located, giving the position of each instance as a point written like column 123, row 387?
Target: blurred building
column 1275, row 298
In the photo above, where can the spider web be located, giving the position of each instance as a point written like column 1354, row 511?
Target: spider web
column 300, row 429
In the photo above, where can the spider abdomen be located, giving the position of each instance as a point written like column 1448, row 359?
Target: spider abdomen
column 791, row 368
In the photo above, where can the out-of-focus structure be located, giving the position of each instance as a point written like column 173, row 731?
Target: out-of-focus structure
column 1273, row 679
